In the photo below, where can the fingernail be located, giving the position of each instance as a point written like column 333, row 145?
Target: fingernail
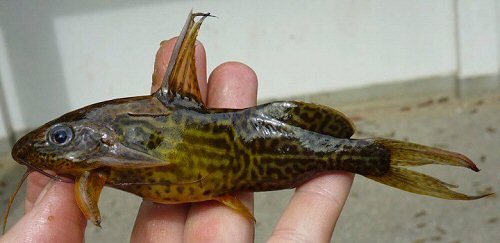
column 44, row 191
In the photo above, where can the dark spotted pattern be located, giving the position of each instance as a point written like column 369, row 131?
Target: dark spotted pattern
column 181, row 152
column 218, row 151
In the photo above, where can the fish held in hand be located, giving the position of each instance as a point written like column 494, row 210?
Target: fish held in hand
column 169, row 148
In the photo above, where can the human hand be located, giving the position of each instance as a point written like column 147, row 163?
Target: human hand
column 311, row 214
column 51, row 214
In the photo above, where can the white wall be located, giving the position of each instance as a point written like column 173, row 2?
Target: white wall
column 12, row 96
column 323, row 46
column 478, row 37
column 62, row 55
column 3, row 130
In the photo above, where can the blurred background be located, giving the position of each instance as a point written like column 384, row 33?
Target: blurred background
column 426, row 71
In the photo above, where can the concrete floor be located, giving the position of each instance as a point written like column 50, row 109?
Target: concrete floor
column 374, row 212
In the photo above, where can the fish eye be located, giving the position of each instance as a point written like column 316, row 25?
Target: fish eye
column 60, row 135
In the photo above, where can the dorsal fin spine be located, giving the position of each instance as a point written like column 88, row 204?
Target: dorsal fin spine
column 180, row 78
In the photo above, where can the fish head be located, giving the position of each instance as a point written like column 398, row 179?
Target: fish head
column 88, row 138
column 66, row 145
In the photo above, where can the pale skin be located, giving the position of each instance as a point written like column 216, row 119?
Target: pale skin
column 51, row 214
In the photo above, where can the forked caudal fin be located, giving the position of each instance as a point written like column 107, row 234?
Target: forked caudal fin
column 409, row 154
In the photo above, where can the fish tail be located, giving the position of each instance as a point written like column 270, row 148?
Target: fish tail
column 404, row 154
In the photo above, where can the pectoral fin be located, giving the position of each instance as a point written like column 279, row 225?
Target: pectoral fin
column 180, row 78
column 234, row 203
column 88, row 187
column 129, row 155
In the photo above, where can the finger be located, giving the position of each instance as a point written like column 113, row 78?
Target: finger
column 54, row 217
column 231, row 85
column 36, row 182
column 156, row 222
column 163, row 57
column 314, row 209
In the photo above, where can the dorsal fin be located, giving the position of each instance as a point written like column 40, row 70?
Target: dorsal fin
column 180, row 80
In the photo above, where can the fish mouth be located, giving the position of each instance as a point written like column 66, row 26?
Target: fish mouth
column 32, row 168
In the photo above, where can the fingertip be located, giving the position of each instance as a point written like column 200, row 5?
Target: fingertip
column 232, row 85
